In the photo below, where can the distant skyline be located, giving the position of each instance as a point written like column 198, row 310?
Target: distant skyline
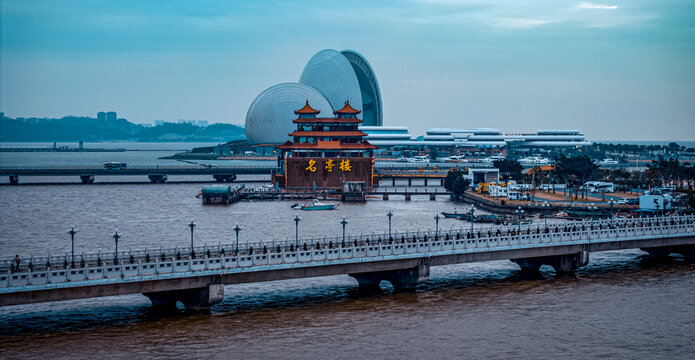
column 616, row 70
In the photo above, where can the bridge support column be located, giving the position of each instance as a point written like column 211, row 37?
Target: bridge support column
column 385, row 196
column 87, row 179
column 405, row 279
column 157, row 179
column 393, row 182
column 407, row 197
column 410, row 181
column 425, row 181
column 441, row 182
column 224, row 177
column 198, row 300
column 688, row 251
column 14, row 179
column 433, row 197
column 563, row 264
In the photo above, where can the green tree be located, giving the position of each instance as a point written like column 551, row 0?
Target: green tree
column 509, row 169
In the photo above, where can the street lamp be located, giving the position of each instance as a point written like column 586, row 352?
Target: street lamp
column 545, row 215
column 297, row 219
column 344, row 222
column 472, row 214
column 116, row 236
column 520, row 212
column 436, row 229
column 72, row 231
column 593, row 210
column 389, row 214
column 192, row 225
column 236, row 229
column 611, row 203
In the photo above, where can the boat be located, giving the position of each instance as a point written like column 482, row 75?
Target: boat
column 453, row 215
column 456, row 159
column 315, row 205
column 419, row 159
column 608, row 162
column 533, row 161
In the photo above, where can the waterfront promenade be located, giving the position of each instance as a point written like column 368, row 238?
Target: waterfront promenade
column 196, row 276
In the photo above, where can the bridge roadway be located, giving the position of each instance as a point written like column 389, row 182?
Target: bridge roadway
column 158, row 174
column 170, row 275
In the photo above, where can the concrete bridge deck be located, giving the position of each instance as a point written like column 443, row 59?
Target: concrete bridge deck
column 158, row 174
column 170, row 275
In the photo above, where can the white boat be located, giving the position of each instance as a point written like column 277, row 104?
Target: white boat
column 315, row 205
column 456, row 159
column 419, row 159
column 608, row 162
column 533, row 161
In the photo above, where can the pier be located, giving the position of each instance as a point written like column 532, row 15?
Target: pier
column 196, row 276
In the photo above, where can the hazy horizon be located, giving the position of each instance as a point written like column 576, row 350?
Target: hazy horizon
column 615, row 70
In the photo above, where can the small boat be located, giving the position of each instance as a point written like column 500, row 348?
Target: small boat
column 453, row 215
column 315, row 205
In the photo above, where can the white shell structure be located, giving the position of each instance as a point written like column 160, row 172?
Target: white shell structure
column 269, row 119
column 372, row 112
column 332, row 75
column 329, row 79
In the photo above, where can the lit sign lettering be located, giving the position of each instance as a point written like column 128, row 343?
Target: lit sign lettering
column 329, row 165
column 311, row 166
column 345, row 165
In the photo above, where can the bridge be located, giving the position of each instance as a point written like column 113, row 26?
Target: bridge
column 196, row 276
column 158, row 174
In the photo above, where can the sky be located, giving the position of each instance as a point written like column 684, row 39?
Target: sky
column 616, row 70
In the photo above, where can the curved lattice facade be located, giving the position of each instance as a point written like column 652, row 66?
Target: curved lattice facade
column 269, row 119
column 328, row 80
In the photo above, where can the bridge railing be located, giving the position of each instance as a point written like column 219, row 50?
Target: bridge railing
column 176, row 260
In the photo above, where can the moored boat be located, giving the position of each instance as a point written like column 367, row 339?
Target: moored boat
column 315, row 205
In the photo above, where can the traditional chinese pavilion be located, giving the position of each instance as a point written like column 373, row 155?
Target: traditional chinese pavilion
column 326, row 152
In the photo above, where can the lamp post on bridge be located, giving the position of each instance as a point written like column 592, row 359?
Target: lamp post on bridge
column 192, row 225
column 436, row 229
column 297, row 219
column 72, row 231
column 344, row 222
column 472, row 215
column 593, row 210
column 545, row 215
column 611, row 202
column 520, row 212
column 390, row 215
column 236, row 229
column 116, row 236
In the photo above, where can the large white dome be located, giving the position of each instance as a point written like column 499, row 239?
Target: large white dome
column 269, row 119
column 331, row 74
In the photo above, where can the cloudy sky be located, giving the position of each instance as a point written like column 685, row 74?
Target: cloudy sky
column 617, row 70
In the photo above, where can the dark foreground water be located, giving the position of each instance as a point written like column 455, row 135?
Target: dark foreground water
column 622, row 305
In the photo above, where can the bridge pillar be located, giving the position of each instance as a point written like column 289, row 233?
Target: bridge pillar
column 404, row 279
column 688, row 251
column 562, row 263
column 385, row 196
column 441, row 182
column 393, row 182
column 224, row 177
column 433, row 197
column 407, row 197
column 14, row 179
column 157, row 179
column 198, row 300
column 87, row 179
column 425, row 181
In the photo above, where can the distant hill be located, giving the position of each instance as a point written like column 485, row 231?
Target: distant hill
column 74, row 128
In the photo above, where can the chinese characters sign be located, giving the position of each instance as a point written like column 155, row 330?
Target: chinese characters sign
column 344, row 165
